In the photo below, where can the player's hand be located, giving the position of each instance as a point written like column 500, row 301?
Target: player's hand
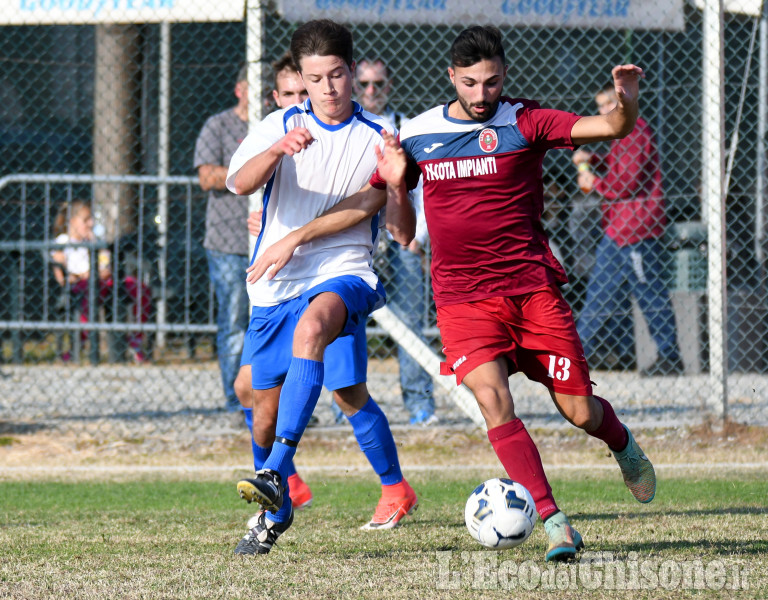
column 391, row 161
column 274, row 258
column 415, row 247
column 254, row 222
column 586, row 180
column 581, row 156
column 626, row 80
column 295, row 141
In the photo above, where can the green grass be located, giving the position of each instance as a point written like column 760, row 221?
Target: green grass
column 174, row 539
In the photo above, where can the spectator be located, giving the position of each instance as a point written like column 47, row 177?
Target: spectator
column 614, row 348
column 406, row 294
column 72, row 269
column 226, row 234
column 630, row 256
column 289, row 88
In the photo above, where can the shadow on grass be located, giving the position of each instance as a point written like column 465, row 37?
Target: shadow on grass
column 662, row 512
column 654, row 544
column 138, row 415
column 727, row 547
column 19, row 427
column 704, row 546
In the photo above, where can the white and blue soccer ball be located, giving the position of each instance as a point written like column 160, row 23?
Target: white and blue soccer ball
column 500, row 514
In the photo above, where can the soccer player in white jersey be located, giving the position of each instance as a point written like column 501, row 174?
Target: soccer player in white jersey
column 346, row 357
column 495, row 279
column 288, row 89
column 310, row 157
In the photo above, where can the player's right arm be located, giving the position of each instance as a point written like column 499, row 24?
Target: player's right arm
column 259, row 154
column 257, row 170
column 391, row 167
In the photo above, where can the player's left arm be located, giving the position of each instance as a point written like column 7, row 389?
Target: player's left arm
column 347, row 213
column 621, row 120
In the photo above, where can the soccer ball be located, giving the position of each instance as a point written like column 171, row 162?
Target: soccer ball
column 500, row 514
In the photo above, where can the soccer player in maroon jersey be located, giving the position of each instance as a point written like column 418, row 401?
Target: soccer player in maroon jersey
column 495, row 279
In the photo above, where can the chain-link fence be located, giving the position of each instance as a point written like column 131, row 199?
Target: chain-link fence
column 101, row 104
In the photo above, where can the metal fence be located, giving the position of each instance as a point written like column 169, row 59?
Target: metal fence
column 117, row 99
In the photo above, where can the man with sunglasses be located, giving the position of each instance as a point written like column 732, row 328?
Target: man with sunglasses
column 404, row 276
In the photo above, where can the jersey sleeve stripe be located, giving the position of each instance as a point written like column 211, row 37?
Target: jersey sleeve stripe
column 265, row 205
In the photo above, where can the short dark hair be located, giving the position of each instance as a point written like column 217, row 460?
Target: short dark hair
column 321, row 37
column 372, row 62
column 285, row 62
column 476, row 43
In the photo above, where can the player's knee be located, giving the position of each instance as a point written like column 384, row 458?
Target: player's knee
column 243, row 389
column 310, row 335
column 488, row 394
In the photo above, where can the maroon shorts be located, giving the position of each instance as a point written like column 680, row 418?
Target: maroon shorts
column 535, row 332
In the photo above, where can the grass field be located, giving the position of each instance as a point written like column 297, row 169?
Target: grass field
column 173, row 536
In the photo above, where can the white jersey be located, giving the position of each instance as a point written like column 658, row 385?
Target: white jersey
column 77, row 260
column 338, row 163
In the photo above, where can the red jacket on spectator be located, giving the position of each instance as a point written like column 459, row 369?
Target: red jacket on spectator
column 629, row 180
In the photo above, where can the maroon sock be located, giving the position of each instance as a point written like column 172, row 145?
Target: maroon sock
column 520, row 458
column 611, row 431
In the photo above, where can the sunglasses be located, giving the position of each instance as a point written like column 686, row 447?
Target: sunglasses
column 379, row 85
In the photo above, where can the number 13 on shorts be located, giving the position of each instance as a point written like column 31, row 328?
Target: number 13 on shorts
column 559, row 368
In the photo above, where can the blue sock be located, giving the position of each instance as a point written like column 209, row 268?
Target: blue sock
column 298, row 399
column 248, row 414
column 375, row 439
column 260, row 453
column 282, row 515
column 282, row 457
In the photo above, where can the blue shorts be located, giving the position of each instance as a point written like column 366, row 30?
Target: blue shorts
column 268, row 346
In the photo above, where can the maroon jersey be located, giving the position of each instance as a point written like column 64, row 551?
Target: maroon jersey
column 483, row 197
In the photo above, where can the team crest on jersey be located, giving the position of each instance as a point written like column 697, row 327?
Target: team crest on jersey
column 489, row 141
